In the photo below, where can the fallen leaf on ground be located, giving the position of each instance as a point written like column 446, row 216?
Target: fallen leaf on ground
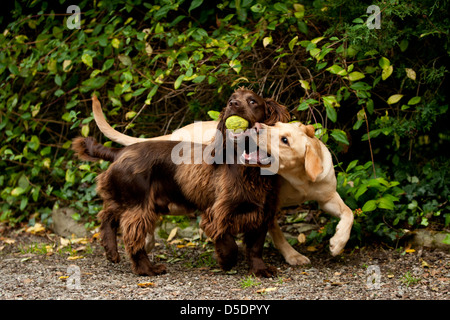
column 410, row 250
column 79, row 240
column 172, row 234
column 75, row 257
column 64, row 242
column 49, row 250
column 424, row 264
column 8, row 240
column 146, row 284
column 301, row 238
column 37, row 228
column 265, row 290
column 311, row 248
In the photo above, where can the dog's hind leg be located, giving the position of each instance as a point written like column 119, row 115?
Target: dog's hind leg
column 108, row 233
column 337, row 208
column 290, row 254
column 136, row 223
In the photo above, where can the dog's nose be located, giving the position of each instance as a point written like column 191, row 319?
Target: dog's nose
column 235, row 103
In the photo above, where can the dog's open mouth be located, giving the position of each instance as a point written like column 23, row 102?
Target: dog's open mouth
column 256, row 158
column 253, row 155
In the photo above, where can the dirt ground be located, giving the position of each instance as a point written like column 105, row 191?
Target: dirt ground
column 47, row 266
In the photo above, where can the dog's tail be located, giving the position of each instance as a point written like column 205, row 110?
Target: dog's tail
column 91, row 150
column 109, row 131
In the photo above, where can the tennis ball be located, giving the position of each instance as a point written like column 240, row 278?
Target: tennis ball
column 236, row 123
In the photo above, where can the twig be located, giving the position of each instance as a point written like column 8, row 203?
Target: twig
column 370, row 144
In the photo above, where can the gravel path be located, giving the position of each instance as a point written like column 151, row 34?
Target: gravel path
column 41, row 267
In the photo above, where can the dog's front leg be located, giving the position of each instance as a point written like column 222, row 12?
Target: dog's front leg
column 289, row 253
column 336, row 207
column 227, row 251
column 254, row 242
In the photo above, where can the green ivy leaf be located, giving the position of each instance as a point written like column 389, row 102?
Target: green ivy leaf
column 340, row 136
column 335, row 69
column 214, row 114
column 126, row 60
column 85, row 130
column 414, row 101
column 386, row 203
column 331, row 113
column 130, row 115
column 387, row 72
column 195, row 4
column 305, row 84
column 87, row 59
column 236, row 65
column 355, row 75
column 178, row 82
column 394, row 98
column 70, row 176
column 369, row 206
column 17, row 191
column 384, row 63
column 292, row 43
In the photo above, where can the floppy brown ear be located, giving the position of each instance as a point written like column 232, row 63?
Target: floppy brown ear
column 313, row 162
column 276, row 112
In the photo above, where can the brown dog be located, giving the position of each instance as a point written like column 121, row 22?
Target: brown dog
column 306, row 163
column 143, row 181
column 203, row 132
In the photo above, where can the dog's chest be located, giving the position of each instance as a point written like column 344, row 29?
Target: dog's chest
column 249, row 187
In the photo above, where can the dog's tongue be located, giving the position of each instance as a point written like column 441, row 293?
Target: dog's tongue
column 252, row 156
column 256, row 157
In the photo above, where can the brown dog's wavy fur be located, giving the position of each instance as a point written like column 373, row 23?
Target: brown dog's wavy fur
column 142, row 181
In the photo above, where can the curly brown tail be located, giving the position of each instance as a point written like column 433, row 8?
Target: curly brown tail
column 91, row 150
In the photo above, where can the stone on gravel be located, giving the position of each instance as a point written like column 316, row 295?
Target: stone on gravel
column 64, row 225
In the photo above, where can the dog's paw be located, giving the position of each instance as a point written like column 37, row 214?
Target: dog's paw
column 159, row 269
column 113, row 256
column 337, row 245
column 297, row 259
column 147, row 270
column 266, row 272
column 228, row 262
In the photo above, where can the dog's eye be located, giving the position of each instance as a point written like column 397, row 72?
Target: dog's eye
column 252, row 102
column 285, row 140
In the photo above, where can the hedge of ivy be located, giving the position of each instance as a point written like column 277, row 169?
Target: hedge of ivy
column 378, row 97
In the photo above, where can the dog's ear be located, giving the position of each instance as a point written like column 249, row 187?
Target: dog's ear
column 309, row 130
column 313, row 161
column 275, row 112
